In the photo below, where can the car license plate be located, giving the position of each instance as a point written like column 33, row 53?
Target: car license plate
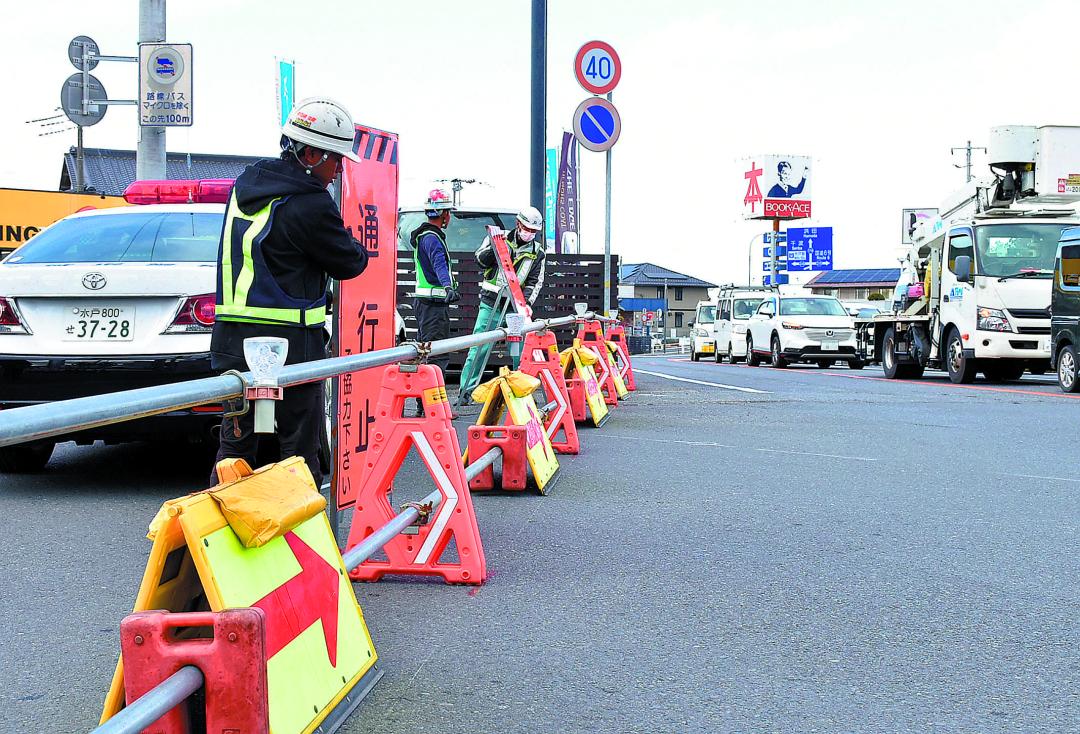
column 830, row 346
column 100, row 323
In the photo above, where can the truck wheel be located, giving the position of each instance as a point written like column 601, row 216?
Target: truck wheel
column 961, row 370
column 856, row 364
column 1008, row 372
column 778, row 360
column 891, row 366
column 1066, row 369
column 751, row 360
column 25, row 458
column 717, row 357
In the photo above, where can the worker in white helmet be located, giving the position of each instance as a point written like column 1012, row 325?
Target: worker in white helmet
column 282, row 240
column 527, row 251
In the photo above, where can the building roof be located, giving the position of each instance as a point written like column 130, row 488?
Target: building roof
column 858, row 278
column 649, row 274
column 110, row 171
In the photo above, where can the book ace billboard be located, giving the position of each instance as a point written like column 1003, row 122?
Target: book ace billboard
column 777, row 187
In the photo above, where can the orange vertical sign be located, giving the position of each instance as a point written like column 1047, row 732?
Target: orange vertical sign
column 364, row 312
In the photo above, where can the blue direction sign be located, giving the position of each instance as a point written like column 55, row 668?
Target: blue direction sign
column 779, row 236
column 781, row 250
column 597, row 124
column 809, row 249
column 781, row 279
column 781, row 265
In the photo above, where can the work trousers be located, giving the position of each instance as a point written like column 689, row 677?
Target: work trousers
column 472, row 372
column 432, row 324
column 300, row 417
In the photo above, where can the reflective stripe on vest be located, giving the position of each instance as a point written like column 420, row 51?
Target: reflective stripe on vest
column 236, row 289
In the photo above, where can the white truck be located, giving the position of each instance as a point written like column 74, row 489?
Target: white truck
column 974, row 293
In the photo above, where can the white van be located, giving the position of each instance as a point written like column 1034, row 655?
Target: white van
column 702, row 337
column 734, row 307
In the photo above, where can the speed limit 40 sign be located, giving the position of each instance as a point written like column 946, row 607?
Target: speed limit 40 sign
column 597, row 67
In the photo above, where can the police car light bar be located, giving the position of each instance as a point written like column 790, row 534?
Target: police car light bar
column 206, row 191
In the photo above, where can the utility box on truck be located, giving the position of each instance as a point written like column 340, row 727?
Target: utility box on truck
column 974, row 292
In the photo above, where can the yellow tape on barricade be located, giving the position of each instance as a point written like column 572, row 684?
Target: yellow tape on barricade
column 317, row 643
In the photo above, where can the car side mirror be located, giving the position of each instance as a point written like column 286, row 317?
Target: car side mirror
column 963, row 268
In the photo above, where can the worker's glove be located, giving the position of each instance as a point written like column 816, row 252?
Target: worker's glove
column 452, row 296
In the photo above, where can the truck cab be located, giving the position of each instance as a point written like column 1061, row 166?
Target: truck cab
column 1065, row 311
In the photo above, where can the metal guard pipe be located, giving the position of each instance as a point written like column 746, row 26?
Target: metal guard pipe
column 155, row 703
column 35, row 422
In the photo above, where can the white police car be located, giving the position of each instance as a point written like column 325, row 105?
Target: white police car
column 114, row 299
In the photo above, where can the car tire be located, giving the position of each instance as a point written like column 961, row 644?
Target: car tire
column 1067, row 369
column 1008, row 372
column 961, row 369
column 751, row 360
column 694, row 356
column 778, row 360
column 25, row 458
column 717, row 356
column 856, row 364
column 825, row 363
column 731, row 355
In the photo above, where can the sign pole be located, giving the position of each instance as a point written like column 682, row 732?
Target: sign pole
column 775, row 249
column 80, row 179
column 607, row 230
column 150, row 155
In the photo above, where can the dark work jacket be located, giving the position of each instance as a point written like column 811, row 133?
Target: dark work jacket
column 306, row 244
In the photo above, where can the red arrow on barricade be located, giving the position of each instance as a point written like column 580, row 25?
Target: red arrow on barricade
column 309, row 597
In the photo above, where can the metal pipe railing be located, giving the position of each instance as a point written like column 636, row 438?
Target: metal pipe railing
column 155, row 703
column 35, row 422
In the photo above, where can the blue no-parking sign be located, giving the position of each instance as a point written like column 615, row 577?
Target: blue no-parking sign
column 597, row 124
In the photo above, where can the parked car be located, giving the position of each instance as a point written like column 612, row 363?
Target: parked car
column 702, row 338
column 734, row 309
column 1065, row 311
column 109, row 300
column 788, row 329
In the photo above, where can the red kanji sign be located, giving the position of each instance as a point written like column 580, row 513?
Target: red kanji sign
column 753, row 189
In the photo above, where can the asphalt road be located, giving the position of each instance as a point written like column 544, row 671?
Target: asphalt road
column 738, row 549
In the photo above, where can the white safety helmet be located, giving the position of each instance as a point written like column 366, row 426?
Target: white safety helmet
column 321, row 123
column 531, row 217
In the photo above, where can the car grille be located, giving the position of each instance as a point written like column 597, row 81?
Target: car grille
column 1030, row 313
column 1033, row 329
column 838, row 334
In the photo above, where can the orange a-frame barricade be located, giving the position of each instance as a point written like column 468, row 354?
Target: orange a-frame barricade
column 617, row 336
column 591, row 336
column 392, row 435
column 540, row 358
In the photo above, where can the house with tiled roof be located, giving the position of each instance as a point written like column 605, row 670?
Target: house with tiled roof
column 645, row 287
column 110, row 171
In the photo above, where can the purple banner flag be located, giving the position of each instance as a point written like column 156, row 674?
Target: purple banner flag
column 567, row 201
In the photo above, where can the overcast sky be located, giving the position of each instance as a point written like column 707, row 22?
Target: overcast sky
column 877, row 93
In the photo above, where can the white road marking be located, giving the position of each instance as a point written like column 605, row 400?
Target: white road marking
column 1039, row 476
column 703, row 382
column 730, row 446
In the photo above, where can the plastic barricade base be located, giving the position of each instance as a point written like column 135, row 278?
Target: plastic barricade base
column 515, row 462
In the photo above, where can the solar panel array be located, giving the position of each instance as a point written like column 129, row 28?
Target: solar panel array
column 873, row 275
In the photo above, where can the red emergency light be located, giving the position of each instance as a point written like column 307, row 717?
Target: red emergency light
column 205, row 191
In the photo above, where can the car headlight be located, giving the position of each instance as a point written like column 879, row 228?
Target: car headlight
column 791, row 325
column 740, row 328
column 700, row 332
column 992, row 319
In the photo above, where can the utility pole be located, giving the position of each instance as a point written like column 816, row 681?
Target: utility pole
column 967, row 165
column 538, row 148
column 150, row 156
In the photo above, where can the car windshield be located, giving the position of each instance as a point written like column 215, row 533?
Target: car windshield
column 150, row 237
column 1026, row 250
column 706, row 314
column 744, row 307
column 466, row 232
column 811, row 307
